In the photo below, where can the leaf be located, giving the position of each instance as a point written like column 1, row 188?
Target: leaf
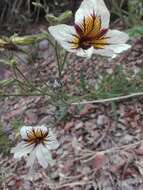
column 63, row 18
column 139, row 150
column 98, row 161
column 88, row 108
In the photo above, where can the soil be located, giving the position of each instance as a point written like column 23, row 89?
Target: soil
column 93, row 154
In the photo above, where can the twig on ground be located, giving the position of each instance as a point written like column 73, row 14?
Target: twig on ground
column 109, row 99
column 73, row 184
column 111, row 150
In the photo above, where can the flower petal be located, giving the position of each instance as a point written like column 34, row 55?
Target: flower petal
column 31, row 158
column 64, row 34
column 85, row 53
column 118, row 48
column 42, row 128
column 105, row 52
column 52, row 142
column 117, row 37
column 88, row 7
column 21, row 150
column 24, row 130
column 117, row 40
column 43, row 156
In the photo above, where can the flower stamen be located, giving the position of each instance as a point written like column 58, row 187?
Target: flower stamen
column 89, row 33
column 36, row 136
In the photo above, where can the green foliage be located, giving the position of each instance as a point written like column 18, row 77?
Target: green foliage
column 135, row 13
column 129, row 12
column 8, row 82
column 4, row 144
column 62, row 18
column 4, row 141
column 17, row 124
column 116, row 84
column 136, row 31
column 61, row 111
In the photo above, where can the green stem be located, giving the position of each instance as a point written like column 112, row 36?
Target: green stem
column 19, row 95
column 29, row 84
column 64, row 61
column 58, row 62
column 20, row 83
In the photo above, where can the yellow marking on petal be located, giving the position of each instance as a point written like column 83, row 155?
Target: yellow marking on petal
column 75, row 42
column 100, row 43
column 91, row 25
column 94, row 27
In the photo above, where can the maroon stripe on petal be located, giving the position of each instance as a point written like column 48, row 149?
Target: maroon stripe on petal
column 78, row 29
column 102, row 33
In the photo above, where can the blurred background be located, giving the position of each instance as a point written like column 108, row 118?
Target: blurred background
column 16, row 14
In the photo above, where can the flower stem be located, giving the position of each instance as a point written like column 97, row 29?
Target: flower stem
column 28, row 83
column 58, row 62
column 64, row 61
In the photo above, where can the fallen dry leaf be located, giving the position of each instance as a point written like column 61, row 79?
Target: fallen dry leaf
column 88, row 108
column 98, row 161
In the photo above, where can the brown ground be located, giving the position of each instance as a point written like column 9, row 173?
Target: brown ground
column 94, row 128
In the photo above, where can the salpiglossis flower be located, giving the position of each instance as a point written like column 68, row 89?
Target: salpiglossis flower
column 90, row 33
column 36, row 144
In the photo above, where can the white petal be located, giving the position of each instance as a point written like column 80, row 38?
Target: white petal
column 43, row 128
column 105, row 52
column 24, row 130
column 44, row 156
column 85, row 53
column 117, row 40
column 117, row 37
column 118, row 48
column 21, row 150
column 52, row 142
column 87, row 8
column 63, row 34
column 31, row 158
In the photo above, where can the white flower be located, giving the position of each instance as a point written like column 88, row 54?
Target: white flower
column 90, row 33
column 36, row 144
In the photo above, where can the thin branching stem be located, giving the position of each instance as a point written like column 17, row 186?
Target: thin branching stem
column 30, row 84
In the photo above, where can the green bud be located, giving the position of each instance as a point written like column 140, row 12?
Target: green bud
column 25, row 40
column 63, row 18
column 28, row 40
